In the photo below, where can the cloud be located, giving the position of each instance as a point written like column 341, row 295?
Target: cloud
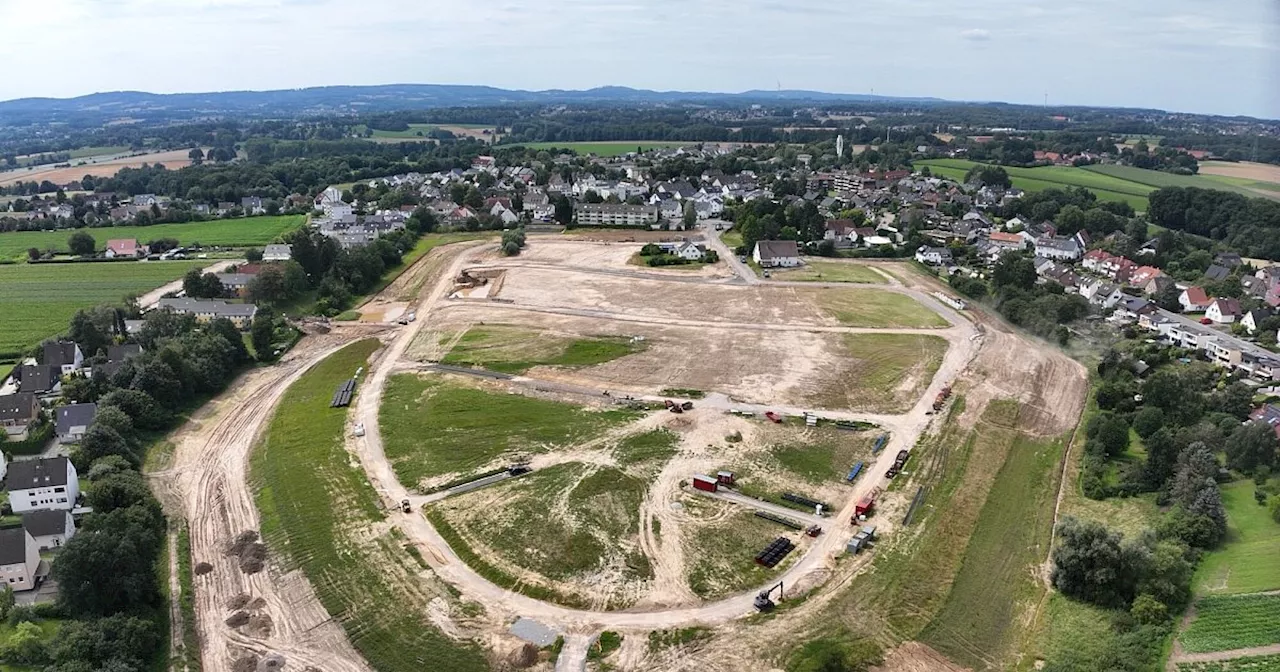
column 976, row 34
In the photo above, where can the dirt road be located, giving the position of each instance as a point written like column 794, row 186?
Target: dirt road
column 151, row 298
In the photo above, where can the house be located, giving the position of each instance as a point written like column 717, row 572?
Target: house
column 277, row 253
column 73, row 420
column 1217, row 273
column 1007, row 241
column 49, row 529
column 1194, row 300
column 1223, row 311
column 46, row 483
column 841, row 231
column 41, row 380
column 606, row 214
column 240, row 314
column 65, row 355
column 1058, row 249
column 776, row 254
column 17, row 412
column 1268, row 414
column 125, row 248
column 1228, row 259
column 328, row 198
column 684, row 250
column 933, row 256
column 19, row 559
column 1252, row 320
column 236, row 283
column 252, row 205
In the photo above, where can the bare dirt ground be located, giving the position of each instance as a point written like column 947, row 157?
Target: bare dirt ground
column 104, row 168
column 605, row 255
column 1262, row 172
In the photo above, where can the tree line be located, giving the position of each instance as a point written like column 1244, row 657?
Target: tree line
column 1249, row 225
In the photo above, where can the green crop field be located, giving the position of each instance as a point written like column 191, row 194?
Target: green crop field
column 1105, row 187
column 433, row 427
column 1245, row 664
column 1229, row 622
column 603, row 148
column 38, row 300
column 243, row 232
column 877, row 309
column 515, row 350
column 1247, row 562
column 311, row 498
column 832, row 271
column 1159, row 179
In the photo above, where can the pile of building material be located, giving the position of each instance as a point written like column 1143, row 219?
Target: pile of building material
column 780, row 520
column 342, row 398
column 861, row 540
column 806, row 502
column 853, row 473
column 774, row 553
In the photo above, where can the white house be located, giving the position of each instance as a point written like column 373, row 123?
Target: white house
column 49, row 529
column 277, row 253
column 19, row 559
column 1223, row 311
column 933, row 256
column 776, row 254
column 688, row 251
column 74, row 420
column 125, row 248
column 1194, row 300
column 1058, row 249
column 65, row 355
column 46, row 483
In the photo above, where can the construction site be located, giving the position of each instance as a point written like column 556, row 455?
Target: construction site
column 561, row 444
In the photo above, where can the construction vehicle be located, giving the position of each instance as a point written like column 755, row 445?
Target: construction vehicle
column 941, row 399
column 405, row 506
column 359, row 429
column 773, row 417
column 864, row 506
column 687, row 406
column 763, row 601
column 898, row 463
column 813, row 531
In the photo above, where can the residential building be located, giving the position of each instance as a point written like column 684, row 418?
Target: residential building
column 240, row 314
column 73, row 420
column 1252, row 320
column 49, row 529
column 1268, row 414
column 125, row 248
column 41, row 380
column 19, row 559
column 46, row 483
column 776, row 254
column 1194, row 300
column 1058, row 249
column 235, row 283
column 277, row 253
column 684, row 250
column 1007, row 241
column 607, row 214
column 1223, row 311
column 18, row 411
column 933, row 256
column 65, row 355
column 252, row 205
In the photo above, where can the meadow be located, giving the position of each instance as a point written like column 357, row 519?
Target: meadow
column 831, row 271
column 1229, row 622
column 878, row 309
column 38, row 300
column 1106, row 187
column 311, row 497
column 1247, row 561
column 514, row 350
column 242, row 232
column 603, row 148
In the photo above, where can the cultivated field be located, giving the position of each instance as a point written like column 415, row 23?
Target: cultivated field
column 243, row 232
column 1106, row 187
column 107, row 167
column 1160, row 179
column 1269, row 663
column 1225, row 623
column 37, row 300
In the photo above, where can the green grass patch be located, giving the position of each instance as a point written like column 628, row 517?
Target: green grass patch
column 1106, row 187
column 1228, row 622
column 190, row 654
column 1249, row 560
column 732, row 238
column 433, row 427
column 608, row 642
column 310, row 495
column 883, row 372
column 657, row 445
column 665, row 639
column 720, row 557
column 682, row 392
column 878, row 309
column 1159, row 179
column 242, row 232
column 515, row 350
column 826, row 459
column 420, row 249
column 602, row 148
column 1246, row 664
column 831, row 271
column 38, row 300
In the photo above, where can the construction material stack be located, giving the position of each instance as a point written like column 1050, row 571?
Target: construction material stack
column 775, row 552
column 342, row 398
column 781, row 520
column 853, row 473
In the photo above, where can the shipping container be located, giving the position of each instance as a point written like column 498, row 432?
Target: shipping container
column 703, row 482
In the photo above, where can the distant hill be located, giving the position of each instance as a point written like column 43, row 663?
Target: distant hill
column 331, row 99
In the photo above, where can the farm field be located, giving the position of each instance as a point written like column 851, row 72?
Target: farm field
column 1054, row 177
column 878, row 309
column 457, row 432
column 107, row 168
column 243, row 232
column 1246, row 561
column 1229, row 622
column 1160, row 179
column 515, row 350
column 1246, row 664
column 1265, row 173
column 299, row 470
column 831, row 271
column 604, row 148
column 38, row 300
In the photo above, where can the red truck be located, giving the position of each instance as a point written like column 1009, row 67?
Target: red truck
column 773, row 417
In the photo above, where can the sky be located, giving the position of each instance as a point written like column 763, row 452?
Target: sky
column 1214, row 56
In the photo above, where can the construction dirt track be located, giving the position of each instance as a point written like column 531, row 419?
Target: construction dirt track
column 207, row 483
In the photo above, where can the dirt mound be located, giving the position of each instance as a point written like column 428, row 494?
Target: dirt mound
column 917, row 657
column 248, row 663
column 523, row 657
column 202, row 568
column 251, row 552
column 260, row 626
column 238, row 602
column 238, row 619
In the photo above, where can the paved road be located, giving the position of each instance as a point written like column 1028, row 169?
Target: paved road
column 1204, row 329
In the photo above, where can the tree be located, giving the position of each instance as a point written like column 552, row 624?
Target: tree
column 117, row 643
column 1148, row 421
column 142, row 409
column 1014, row 270
column 101, row 441
column 1167, row 574
column 563, row 209
column 118, row 491
column 690, row 218
column 196, row 156
column 1148, row 610
column 85, row 332
column 253, row 255
column 1091, row 563
column 116, row 549
column 33, row 253
column 268, row 286
column 26, row 645
column 81, row 244
column 262, row 333
column 1250, row 446
column 7, row 600
column 199, row 285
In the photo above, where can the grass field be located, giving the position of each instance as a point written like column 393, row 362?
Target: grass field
column 826, row 459
column 603, row 148
column 1246, row 664
column 1105, row 187
column 1229, row 622
column 884, row 372
column 733, row 239
column 830, row 271
column 877, row 309
column 720, row 557
column 515, row 350
column 38, row 300
column 1158, row 179
column 433, row 427
column 656, row 446
column 311, row 497
column 243, row 232
column 1249, row 559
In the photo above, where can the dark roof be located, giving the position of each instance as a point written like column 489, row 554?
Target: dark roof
column 41, row 473
column 775, row 249
column 75, row 415
column 119, row 353
column 38, row 378
column 19, row 406
column 45, row 523
column 13, row 546
column 1216, row 272
column 1228, row 259
column 60, row 353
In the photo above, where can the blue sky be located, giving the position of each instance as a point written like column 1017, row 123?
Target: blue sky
column 1219, row 56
